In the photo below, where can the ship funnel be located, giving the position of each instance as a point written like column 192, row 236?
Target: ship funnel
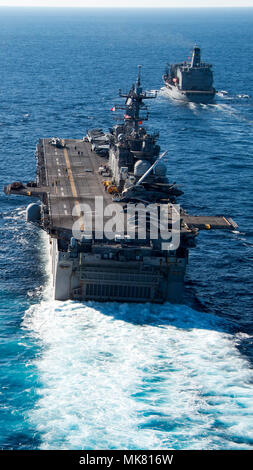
column 196, row 57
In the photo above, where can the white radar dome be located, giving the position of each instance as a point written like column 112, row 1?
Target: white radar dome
column 33, row 213
column 140, row 167
column 160, row 169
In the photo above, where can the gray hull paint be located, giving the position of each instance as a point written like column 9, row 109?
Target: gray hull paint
column 188, row 96
column 73, row 172
column 90, row 278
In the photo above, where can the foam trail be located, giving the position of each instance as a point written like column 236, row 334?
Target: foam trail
column 46, row 262
column 193, row 107
column 222, row 93
column 164, row 90
column 225, row 108
column 172, row 380
column 243, row 96
column 137, row 377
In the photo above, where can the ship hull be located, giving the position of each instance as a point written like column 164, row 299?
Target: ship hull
column 114, row 233
column 86, row 278
column 101, row 268
column 189, row 95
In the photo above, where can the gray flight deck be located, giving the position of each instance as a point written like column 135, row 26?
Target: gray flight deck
column 114, row 262
column 71, row 178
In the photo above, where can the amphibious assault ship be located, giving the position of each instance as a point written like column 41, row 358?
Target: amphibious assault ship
column 190, row 81
column 103, row 198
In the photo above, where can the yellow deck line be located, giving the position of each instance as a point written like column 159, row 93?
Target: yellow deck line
column 70, row 175
column 72, row 183
column 226, row 221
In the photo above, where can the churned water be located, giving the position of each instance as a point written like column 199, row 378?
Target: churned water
column 95, row 376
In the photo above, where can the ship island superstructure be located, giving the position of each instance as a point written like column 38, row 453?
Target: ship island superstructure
column 80, row 181
column 190, row 81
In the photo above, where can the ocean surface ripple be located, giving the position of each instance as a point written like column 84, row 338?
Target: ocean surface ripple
column 110, row 376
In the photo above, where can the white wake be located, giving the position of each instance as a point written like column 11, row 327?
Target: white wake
column 117, row 376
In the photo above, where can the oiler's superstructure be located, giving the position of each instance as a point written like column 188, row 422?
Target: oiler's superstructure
column 190, row 81
column 107, row 207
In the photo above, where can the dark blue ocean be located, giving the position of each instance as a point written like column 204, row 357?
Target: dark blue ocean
column 118, row 376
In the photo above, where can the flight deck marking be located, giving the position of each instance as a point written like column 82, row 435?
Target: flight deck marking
column 72, row 183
